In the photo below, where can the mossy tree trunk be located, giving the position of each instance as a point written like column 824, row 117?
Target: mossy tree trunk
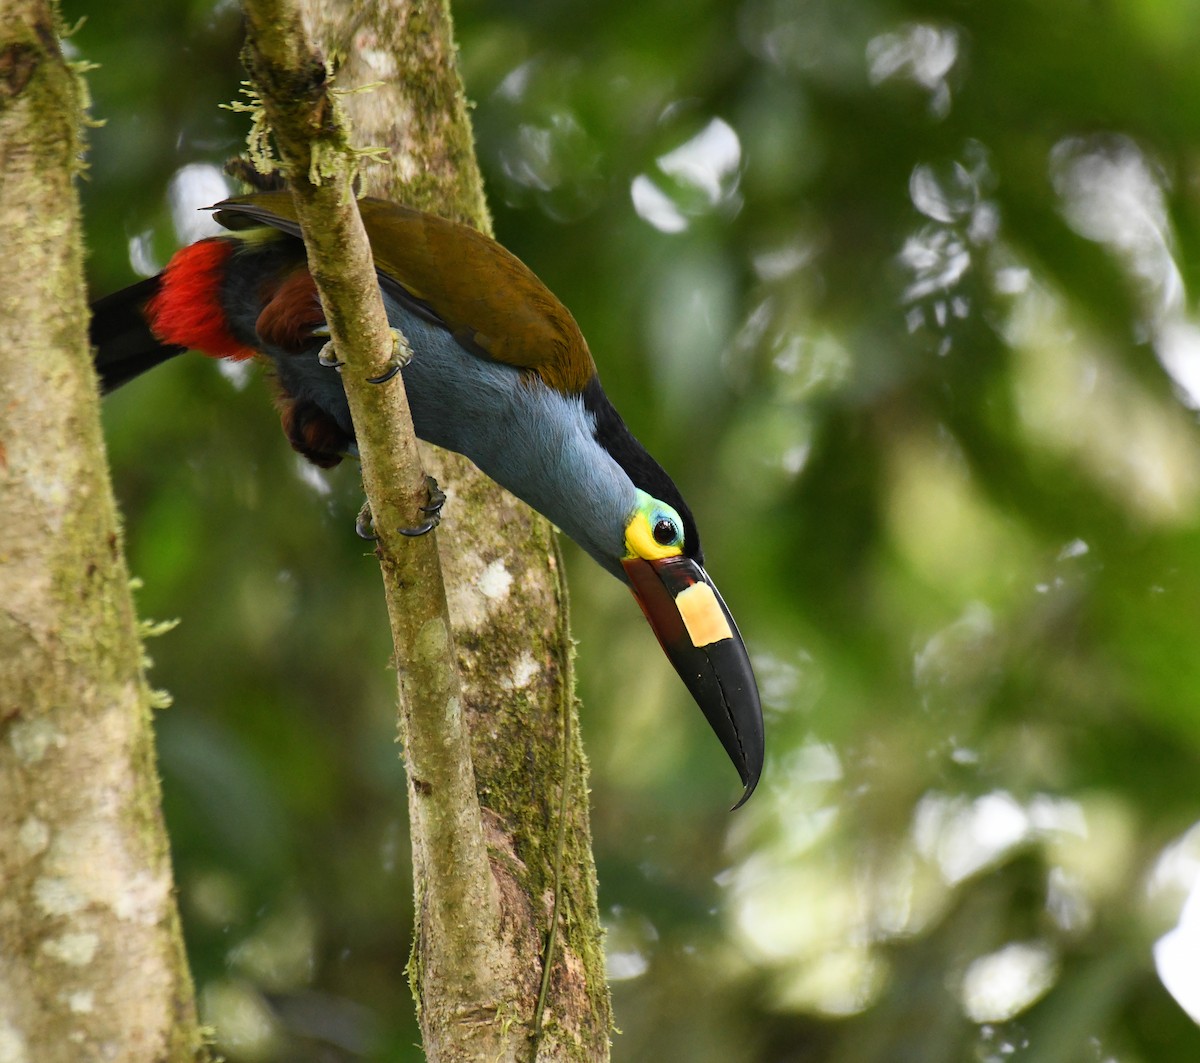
column 91, row 959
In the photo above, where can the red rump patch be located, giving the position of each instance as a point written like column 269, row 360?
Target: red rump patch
column 187, row 310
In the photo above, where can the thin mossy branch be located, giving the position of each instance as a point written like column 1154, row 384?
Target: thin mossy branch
column 460, row 896
column 536, row 990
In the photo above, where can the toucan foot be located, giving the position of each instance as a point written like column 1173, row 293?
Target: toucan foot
column 364, row 524
column 327, row 356
column 402, row 354
column 437, row 499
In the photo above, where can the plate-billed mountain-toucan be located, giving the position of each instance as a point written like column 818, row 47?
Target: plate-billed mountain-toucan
column 500, row 372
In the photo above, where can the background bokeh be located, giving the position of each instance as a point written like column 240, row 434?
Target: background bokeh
column 904, row 295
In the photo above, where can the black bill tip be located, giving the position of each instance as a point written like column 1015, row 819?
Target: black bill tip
column 700, row 638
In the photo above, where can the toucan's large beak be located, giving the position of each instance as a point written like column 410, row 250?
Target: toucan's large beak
column 699, row 636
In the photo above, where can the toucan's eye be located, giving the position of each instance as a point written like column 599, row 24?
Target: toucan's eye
column 653, row 530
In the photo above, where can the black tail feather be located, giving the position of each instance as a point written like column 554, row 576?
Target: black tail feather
column 124, row 345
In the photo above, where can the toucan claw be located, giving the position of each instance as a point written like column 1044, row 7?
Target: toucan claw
column 402, row 354
column 393, row 367
column 424, row 528
column 364, row 524
column 327, row 356
column 437, row 499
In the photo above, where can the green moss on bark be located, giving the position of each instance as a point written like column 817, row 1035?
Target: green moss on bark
column 94, row 957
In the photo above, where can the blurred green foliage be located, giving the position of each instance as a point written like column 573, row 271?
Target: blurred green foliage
column 903, row 295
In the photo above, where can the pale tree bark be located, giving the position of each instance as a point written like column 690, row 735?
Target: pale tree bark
column 509, row 961
column 91, row 959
